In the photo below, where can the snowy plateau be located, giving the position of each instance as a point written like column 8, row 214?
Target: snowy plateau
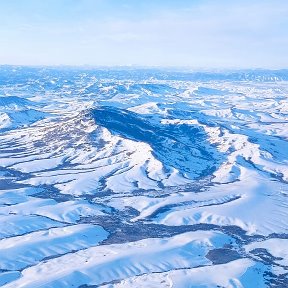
column 143, row 178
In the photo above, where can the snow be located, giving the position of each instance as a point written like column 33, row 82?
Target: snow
column 68, row 211
column 98, row 265
column 254, row 205
column 29, row 249
column 143, row 178
column 13, row 225
column 278, row 248
column 230, row 275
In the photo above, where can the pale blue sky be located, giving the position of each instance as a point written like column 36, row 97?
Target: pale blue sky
column 195, row 33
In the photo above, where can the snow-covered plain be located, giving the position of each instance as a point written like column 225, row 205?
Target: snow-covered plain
column 143, row 178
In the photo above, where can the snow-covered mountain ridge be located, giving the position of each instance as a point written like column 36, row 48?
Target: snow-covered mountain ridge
column 143, row 178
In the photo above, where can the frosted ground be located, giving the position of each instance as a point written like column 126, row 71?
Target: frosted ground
column 143, row 178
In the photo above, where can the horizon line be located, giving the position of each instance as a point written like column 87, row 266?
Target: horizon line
column 146, row 67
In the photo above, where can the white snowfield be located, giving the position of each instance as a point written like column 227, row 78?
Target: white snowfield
column 143, row 178
column 104, row 264
column 236, row 274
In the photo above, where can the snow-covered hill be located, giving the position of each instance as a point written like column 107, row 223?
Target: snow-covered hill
column 143, row 178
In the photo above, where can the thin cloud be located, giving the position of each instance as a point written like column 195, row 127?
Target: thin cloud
column 192, row 33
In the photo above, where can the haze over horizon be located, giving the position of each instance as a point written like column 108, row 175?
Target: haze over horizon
column 199, row 34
